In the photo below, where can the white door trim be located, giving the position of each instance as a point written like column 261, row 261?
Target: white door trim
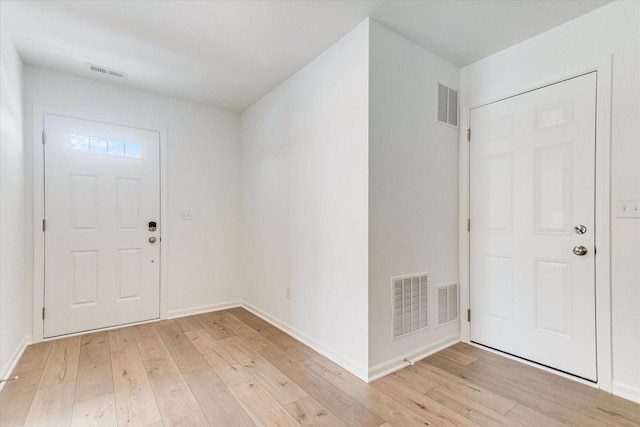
column 602, row 208
column 39, row 112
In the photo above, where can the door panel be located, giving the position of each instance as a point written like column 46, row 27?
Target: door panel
column 101, row 191
column 532, row 180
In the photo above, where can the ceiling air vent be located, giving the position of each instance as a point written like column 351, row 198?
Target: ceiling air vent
column 410, row 304
column 446, row 105
column 107, row 71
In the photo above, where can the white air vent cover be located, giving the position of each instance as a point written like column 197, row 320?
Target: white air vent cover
column 446, row 105
column 447, row 303
column 410, row 311
column 107, row 71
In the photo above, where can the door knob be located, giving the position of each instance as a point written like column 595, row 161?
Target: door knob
column 580, row 250
column 153, row 240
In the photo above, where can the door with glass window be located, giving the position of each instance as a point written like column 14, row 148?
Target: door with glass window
column 102, row 225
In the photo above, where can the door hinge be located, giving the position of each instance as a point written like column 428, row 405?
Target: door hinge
column 469, row 135
column 42, row 313
column 44, row 137
column 468, row 224
column 44, row 225
column 469, row 315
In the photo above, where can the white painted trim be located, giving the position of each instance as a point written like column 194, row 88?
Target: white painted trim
column 15, row 357
column 603, row 208
column 626, row 391
column 344, row 362
column 174, row 314
column 39, row 112
column 397, row 363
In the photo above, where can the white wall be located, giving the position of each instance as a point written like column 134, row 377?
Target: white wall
column 14, row 332
column 203, row 175
column 613, row 29
column 304, row 168
column 413, row 190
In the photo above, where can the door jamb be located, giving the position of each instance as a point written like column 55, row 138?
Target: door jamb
column 39, row 111
column 602, row 208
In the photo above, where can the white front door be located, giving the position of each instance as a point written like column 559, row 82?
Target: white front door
column 102, row 264
column 532, row 196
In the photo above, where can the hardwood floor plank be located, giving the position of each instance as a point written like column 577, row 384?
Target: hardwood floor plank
column 94, row 368
column 249, row 318
column 467, row 389
column 99, row 411
column 34, row 357
column 54, row 396
column 339, row 403
column 135, row 402
column 600, row 400
column 378, row 402
column 188, row 323
column 62, row 363
column 468, row 408
column 530, row 418
column 175, row 401
column 261, row 406
column 288, row 343
column 540, row 403
column 16, row 398
column 121, row 338
column 309, row 412
column 182, row 350
column 420, row 403
column 229, row 370
column 216, row 401
column 149, row 342
column 458, row 357
column 275, row 382
column 52, row 405
column 212, row 324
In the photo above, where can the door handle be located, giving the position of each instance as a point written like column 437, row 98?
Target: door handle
column 152, row 239
column 580, row 250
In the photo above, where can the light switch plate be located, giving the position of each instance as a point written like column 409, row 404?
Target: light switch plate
column 186, row 215
column 627, row 208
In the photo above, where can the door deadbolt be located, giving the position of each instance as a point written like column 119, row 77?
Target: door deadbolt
column 580, row 229
column 152, row 239
column 580, row 250
column 152, row 226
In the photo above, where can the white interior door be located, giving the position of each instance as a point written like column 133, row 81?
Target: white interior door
column 102, row 258
column 532, row 196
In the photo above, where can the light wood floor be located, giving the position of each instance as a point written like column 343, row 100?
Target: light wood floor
column 230, row 368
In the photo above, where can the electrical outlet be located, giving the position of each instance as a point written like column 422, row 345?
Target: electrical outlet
column 186, row 215
column 288, row 292
column 628, row 208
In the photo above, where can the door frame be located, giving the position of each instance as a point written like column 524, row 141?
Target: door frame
column 39, row 111
column 602, row 210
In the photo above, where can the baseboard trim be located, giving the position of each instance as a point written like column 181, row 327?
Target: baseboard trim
column 626, row 391
column 13, row 361
column 203, row 309
column 397, row 363
column 335, row 357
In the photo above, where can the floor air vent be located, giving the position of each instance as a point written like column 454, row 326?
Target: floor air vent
column 447, row 303
column 410, row 304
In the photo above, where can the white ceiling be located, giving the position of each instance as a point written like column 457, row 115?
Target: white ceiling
column 231, row 53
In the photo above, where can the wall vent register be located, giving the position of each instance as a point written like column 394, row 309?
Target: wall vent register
column 447, row 303
column 410, row 310
column 446, row 105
